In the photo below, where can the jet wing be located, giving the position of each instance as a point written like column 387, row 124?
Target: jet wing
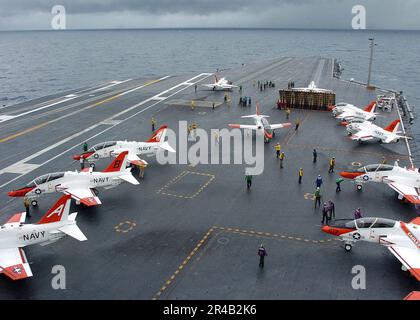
column 410, row 193
column 409, row 257
column 363, row 135
column 280, row 125
column 16, row 219
column 84, row 195
column 244, row 126
column 13, row 263
column 134, row 159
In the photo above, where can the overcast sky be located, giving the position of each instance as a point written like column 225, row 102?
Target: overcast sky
column 98, row 14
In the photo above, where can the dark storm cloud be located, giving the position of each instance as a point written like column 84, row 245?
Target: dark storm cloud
column 381, row 14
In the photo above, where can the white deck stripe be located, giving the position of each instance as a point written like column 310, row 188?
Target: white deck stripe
column 206, row 75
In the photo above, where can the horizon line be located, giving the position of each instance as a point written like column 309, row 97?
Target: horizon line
column 208, row 28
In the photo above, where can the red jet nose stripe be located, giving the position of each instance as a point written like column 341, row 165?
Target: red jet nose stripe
column 330, row 108
column 336, row 231
column 83, row 155
column 350, row 175
column 20, row 192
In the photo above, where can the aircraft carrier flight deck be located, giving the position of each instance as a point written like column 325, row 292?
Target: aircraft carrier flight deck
column 193, row 231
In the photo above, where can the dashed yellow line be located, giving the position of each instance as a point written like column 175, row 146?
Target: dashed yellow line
column 125, row 226
column 179, row 177
column 250, row 233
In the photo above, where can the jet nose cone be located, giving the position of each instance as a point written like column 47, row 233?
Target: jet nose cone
column 344, row 123
column 76, row 157
column 19, row 193
column 326, row 229
column 349, row 175
column 330, row 108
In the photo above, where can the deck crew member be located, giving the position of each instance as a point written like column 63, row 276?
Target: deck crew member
column 248, row 179
column 192, row 104
column 332, row 164
column 27, row 204
column 318, row 181
column 82, row 163
column 357, row 213
column 277, row 147
column 297, row 124
column 288, row 113
column 324, row 213
column 300, row 175
column 195, row 88
column 338, row 183
column 262, row 253
column 315, row 155
column 153, row 121
column 85, row 147
column 331, row 209
column 282, row 155
column 317, row 196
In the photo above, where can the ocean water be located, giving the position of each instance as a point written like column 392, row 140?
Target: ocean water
column 37, row 63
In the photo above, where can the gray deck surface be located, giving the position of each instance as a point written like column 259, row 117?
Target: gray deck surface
column 196, row 237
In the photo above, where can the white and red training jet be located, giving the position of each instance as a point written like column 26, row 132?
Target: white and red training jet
column 14, row 235
column 220, row 84
column 107, row 149
column 261, row 124
column 81, row 186
column 406, row 182
column 402, row 239
column 366, row 131
column 340, row 107
column 351, row 112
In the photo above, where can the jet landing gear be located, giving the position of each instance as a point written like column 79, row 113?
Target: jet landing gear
column 348, row 247
column 34, row 203
column 92, row 165
column 359, row 187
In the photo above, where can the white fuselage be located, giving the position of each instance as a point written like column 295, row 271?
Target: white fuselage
column 341, row 107
column 386, row 236
column 90, row 180
column 12, row 236
column 399, row 175
column 138, row 148
column 372, row 132
column 356, row 113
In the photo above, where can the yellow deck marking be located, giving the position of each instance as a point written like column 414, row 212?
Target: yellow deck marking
column 20, row 133
column 249, row 233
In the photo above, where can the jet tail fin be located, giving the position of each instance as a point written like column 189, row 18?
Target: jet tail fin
column 119, row 163
column 73, row 230
column 58, row 212
column 159, row 135
column 370, row 107
column 393, row 126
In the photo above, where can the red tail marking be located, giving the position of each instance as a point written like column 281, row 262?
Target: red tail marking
column 370, row 107
column 391, row 127
column 55, row 214
column 157, row 135
column 117, row 163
